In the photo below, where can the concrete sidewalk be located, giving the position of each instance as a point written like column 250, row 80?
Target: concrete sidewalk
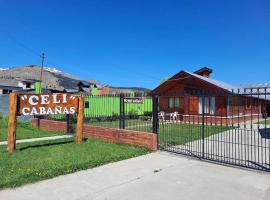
column 156, row 176
column 39, row 139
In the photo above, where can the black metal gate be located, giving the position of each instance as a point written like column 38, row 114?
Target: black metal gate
column 230, row 127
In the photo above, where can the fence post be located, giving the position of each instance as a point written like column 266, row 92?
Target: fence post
column 12, row 120
column 122, row 112
column 68, row 123
column 155, row 113
column 80, row 120
column 203, row 105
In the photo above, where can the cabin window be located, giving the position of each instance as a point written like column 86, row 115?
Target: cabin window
column 28, row 85
column 6, row 91
column 209, row 105
column 173, row 102
column 212, row 105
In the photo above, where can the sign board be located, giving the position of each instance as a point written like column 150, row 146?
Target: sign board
column 43, row 104
column 133, row 100
column 47, row 104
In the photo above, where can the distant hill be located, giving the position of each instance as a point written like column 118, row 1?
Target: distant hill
column 53, row 79
column 139, row 89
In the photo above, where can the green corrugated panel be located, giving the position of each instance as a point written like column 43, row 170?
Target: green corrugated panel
column 94, row 91
column 108, row 106
column 38, row 88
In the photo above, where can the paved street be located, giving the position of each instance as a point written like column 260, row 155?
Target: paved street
column 154, row 176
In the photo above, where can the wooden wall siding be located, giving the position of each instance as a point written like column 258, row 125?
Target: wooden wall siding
column 221, row 106
column 188, row 82
column 268, row 108
column 193, row 107
column 174, row 89
column 164, row 105
column 245, row 105
column 184, row 84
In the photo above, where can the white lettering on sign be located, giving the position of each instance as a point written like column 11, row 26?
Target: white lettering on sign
column 31, row 100
column 133, row 100
column 47, row 104
column 55, row 99
column 45, row 99
column 26, row 111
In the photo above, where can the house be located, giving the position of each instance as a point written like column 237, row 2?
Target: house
column 6, row 89
column 135, row 91
column 27, row 84
column 185, row 93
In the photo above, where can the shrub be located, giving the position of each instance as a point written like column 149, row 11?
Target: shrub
column 147, row 113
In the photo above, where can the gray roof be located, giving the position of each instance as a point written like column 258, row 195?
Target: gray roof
column 220, row 84
column 8, row 86
column 256, row 85
column 261, row 91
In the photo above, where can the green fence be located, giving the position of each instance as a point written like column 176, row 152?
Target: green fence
column 98, row 105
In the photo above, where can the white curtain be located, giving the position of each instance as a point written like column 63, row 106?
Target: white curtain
column 206, row 104
column 200, row 105
column 212, row 105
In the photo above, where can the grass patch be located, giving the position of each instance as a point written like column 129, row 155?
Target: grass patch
column 115, row 124
column 267, row 122
column 180, row 133
column 170, row 133
column 25, row 130
column 37, row 161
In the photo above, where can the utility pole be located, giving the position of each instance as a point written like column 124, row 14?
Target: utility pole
column 42, row 63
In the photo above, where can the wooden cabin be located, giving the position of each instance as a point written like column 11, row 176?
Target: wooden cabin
column 186, row 93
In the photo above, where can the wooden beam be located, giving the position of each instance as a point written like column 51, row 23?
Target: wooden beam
column 80, row 119
column 12, row 119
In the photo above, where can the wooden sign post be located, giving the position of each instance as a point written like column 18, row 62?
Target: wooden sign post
column 80, row 119
column 12, row 120
column 43, row 104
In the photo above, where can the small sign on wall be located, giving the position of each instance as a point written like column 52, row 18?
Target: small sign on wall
column 133, row 100
column 47, row 104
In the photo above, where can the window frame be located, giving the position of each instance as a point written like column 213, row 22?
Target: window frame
column 209, row 105
column 173, row 102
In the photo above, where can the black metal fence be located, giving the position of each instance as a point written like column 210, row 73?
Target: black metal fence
column 123, row 111
column 230, row 127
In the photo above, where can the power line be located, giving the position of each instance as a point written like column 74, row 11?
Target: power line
column 22, row 45
column 34, row 52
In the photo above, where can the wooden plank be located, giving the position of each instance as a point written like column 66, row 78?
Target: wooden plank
column 193, row 105
column 11, row 140
column 80, row 119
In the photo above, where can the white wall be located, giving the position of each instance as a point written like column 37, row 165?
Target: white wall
column 23, row 85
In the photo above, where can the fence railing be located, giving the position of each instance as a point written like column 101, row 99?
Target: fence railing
column 228, row 127
column 122, row 111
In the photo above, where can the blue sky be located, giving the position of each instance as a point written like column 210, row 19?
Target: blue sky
column 139, row 42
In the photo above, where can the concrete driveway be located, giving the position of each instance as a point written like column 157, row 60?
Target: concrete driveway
column 154, row 176
column 243, row 146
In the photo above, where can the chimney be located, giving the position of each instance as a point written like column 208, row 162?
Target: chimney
column 205, row 72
